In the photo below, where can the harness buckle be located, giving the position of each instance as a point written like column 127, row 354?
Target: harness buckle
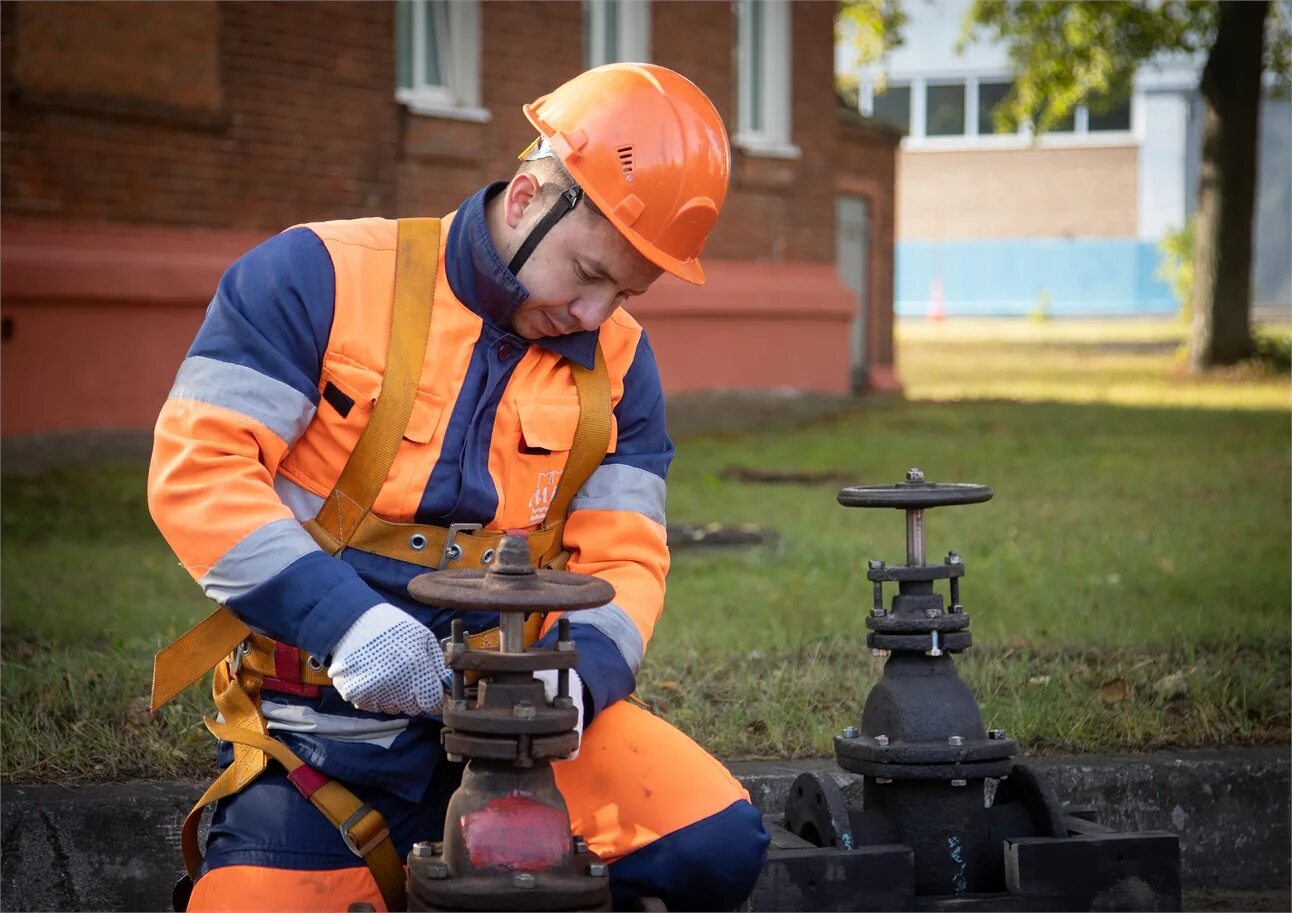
column 360, row 813
column 241, row 650
column 453, row 551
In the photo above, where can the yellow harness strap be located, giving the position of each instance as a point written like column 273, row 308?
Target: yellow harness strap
column 365, row 471
column 591, row 441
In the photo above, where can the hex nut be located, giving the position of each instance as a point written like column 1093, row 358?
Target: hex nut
column 422, row 849
column 597, row 870
column 955, row 740
column 959, row 782
column 996, row 734
column 932, row 613
column 850, row 732
column 523, row 710
column 877, row 612
column 914, row 475
column 524, row 880
column 881, row 741
column 580, row 846
column 883, row 780
column 875, row 564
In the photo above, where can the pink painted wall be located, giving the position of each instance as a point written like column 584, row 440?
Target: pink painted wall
column 97, row 319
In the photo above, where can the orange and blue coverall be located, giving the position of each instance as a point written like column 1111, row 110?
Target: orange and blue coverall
column 265, row 410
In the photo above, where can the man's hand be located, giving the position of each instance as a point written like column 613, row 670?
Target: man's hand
column 548, row 678
column 389, row 662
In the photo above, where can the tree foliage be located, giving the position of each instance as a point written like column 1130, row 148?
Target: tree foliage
column 1067, row 53
column 869, row 28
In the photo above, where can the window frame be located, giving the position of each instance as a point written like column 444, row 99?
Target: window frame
column 774, row 138
column 918, row 138
column 458, row 40
column 632, row 32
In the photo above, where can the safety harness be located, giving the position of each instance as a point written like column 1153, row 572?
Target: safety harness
column 247, row 664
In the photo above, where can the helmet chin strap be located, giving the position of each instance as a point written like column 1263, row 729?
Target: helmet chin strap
column 565, row 203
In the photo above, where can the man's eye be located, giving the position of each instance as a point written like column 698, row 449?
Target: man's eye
column 580, row 274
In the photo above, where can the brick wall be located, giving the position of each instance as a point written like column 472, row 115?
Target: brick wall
column 1018, row 193
column 298, row 124
column 225, row 122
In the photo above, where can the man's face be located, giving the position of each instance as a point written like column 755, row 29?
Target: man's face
column 578, row 274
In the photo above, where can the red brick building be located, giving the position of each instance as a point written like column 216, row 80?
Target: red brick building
column 147, row 145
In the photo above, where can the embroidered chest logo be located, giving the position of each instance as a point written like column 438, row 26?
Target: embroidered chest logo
column 541, row 499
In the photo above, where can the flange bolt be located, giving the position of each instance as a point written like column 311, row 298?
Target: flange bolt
column 953, row 557
column 932, row 613
column 877, row 612
column 850, row 732
column 580, row 846
column 955, row 740
column 875, row 564
column 914, row 475
column 423, row 848
column 523, row 710
column 597, row 870
column 875, row 651
column 997, row 734
column 883, row 780
column 881, row 741
column 523, row 880
column 959, row 782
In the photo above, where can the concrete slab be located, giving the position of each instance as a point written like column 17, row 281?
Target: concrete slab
column 116, row 846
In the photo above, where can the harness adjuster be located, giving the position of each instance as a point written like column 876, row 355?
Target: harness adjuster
column 453, row 551
column 235, row 658
column 353, row 821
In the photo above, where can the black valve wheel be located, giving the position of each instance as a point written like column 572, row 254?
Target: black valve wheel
column 917, row 495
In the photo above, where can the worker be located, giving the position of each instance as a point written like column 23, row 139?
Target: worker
column 278, row 429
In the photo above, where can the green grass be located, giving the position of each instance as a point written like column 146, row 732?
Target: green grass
column 1140, row 531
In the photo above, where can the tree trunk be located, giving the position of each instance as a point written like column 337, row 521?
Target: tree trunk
column 1222, row 251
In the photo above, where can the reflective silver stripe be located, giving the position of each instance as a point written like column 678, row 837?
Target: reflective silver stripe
column 282, row 409
column 256, row 559
column 614, row 622
column 295, row 718
column 303, row 503
column 615, row 486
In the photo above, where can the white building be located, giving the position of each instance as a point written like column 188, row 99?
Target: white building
column 992, row 223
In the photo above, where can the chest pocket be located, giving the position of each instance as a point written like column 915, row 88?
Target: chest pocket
column 347, row 392
column 540, row 448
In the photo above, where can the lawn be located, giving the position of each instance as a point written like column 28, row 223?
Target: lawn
column 1129, row 583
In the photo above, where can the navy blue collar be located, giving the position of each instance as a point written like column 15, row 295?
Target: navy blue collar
column 482, row 282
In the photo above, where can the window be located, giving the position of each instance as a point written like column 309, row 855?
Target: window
column 438, row 57
column 764, row 77
column 893, row 107
column 990, row 96
column 616, row 30
column 945, row 110
column 1115, row 118
column 960, row 114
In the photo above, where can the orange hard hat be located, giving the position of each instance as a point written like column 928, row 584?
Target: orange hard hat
column 648, row 147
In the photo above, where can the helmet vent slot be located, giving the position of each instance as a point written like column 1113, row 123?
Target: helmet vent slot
column 626, row 161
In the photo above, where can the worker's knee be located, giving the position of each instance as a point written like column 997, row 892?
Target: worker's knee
column 709, row 865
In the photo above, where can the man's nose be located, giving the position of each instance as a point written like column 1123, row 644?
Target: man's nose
column 590, row 312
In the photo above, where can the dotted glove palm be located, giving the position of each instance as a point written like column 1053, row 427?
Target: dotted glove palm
column 389, row 662
column 548, row 678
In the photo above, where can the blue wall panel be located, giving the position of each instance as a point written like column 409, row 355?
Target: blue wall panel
column 1065, row 277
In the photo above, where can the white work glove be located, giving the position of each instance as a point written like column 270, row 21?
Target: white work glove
column 548, row 678
column 389, row 662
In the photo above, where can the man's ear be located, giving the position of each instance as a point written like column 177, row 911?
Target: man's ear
column 521, row 194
